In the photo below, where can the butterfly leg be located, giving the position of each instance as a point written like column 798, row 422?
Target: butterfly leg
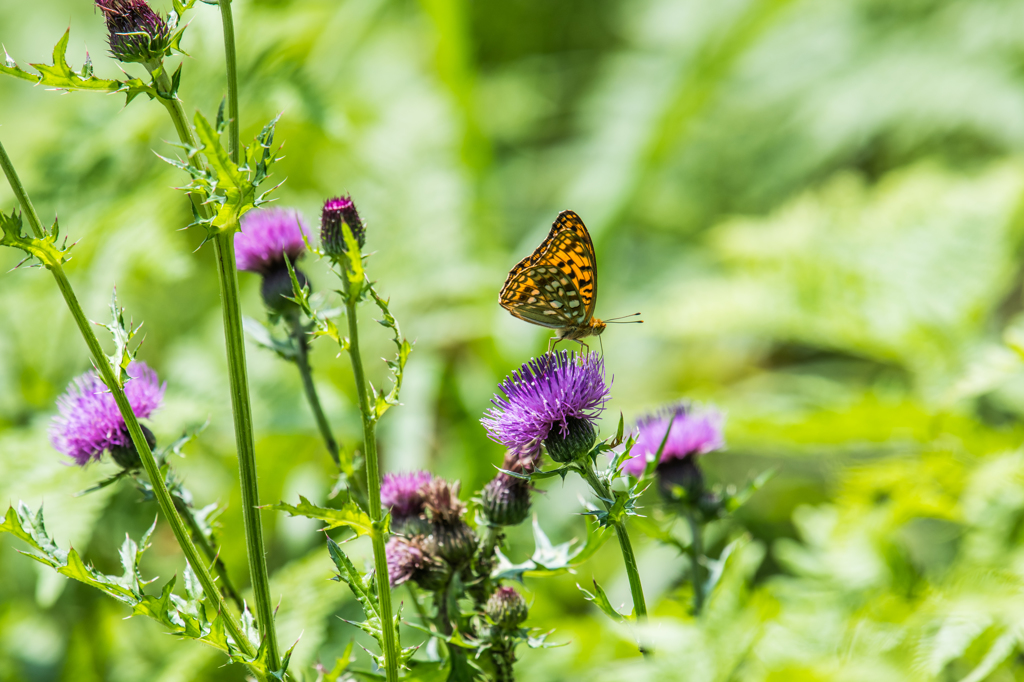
column 555, row 340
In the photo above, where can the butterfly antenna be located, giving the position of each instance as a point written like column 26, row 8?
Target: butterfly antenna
column 618, row 320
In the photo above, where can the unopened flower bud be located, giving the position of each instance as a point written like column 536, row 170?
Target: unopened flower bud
column 573, row 442
column 453, row 539
column 506, row 608
column 338, row 211
column 135, row 32
column 506, row 500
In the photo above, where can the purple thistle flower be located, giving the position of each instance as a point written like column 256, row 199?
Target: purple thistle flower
column 403, row 493
column 337, row 211
column 555, row 390
column 409, row 559
column 404, row 559
column 266, row 235
column 694, row 431
column 89, row 421
column 135, row 32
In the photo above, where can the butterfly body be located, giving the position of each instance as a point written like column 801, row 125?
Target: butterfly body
column 556, row 286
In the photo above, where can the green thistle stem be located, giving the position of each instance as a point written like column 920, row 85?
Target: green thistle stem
column 212, row 555
column 696, row 551
column 372, row 487
column 102, row 363
column 625, row 546
column 224, row 255
column 230, row 63
column 298, row 335
column 224, row 249
column 415, row 594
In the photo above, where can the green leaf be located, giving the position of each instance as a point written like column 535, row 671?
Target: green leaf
column 365, row 591
column 599, row 598
column 348, row 515
column 396, row 366
column 228, row 188
column 549, row 559
column 258, row 333
column 340, row 666
column 122, row 334
column 353, row 264
column 734, row 502
column 44, row 250
column 184, row 617
column 61, row 76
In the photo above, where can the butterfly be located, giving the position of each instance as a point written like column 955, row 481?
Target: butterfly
column 556, row 286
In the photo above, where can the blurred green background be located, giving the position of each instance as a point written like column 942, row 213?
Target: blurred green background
column 816, row 206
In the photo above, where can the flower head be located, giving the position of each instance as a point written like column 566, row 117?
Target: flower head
column 449, row 537
column 507, row 608
column 135, row 32
column 557, row 394
column 691, row 431
column 403, row 493
column 337, row 211
column 266, row 236
column 89, row 421
column 408, row 560
column 505, row 500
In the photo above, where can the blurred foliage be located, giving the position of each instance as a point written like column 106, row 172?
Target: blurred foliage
column 816, row 205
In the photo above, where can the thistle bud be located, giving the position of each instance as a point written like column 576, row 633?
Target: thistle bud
column 572, row 442
column 135, row 32
column 336, row 212
column 127, row 455
column 506, row 608
column 506, row 500
column 453, row 540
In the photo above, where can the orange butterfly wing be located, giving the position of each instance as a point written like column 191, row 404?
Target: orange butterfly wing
column 556, row 286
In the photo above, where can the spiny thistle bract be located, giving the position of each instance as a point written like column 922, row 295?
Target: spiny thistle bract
column 135, row 32
column 265, row 238
column 554, row 399
column 337, row 211
column 90, row 423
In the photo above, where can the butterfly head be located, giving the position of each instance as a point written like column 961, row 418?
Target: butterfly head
column 596, row 326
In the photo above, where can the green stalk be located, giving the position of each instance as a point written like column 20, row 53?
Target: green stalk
column 102, row 363
column 632, row 572
column 696, row 551
column 224, row 255
column 306, row 372
column 373, row 488
column 224, row 248
column 230, row 63
column 212, row 555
